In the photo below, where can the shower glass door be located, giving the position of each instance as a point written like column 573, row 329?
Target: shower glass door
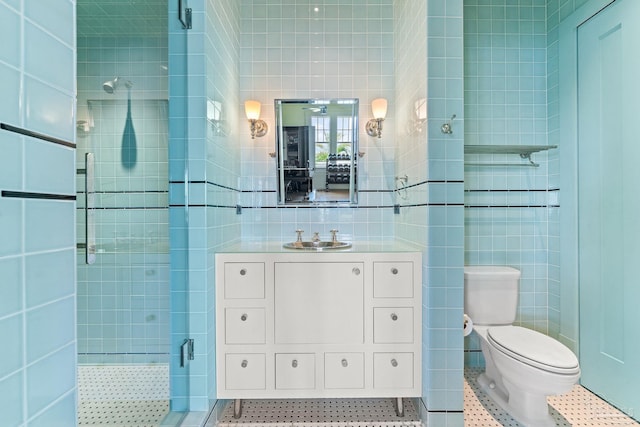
column 123, row 295
column 123, row 316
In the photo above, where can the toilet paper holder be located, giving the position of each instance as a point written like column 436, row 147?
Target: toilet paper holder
column 467, row 326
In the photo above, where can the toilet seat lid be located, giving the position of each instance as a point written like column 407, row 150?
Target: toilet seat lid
column 534, row 348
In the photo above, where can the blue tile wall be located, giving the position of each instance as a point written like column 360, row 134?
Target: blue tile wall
column 511, row 211
column 562, row 325
column 37, row 249
column 223, row 166
column 123, row 299
column 443, row 383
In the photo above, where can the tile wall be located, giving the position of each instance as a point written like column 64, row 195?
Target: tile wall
column 444, row 384
column 123, row 299
column 563, row 304
column 37, row 213
column 223, row 156
column 288, row 49
column 511, row 212
column 204, row 167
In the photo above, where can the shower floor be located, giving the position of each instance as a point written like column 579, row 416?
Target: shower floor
column 123, row 395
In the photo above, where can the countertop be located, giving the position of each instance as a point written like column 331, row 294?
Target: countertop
column 276, row 247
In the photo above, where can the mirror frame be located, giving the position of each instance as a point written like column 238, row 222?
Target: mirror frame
column 306, row 172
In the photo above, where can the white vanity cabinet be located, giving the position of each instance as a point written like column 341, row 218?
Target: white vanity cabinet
column 318, row 324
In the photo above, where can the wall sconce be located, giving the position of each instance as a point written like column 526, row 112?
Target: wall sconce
column 258, row 127
column 379, row 109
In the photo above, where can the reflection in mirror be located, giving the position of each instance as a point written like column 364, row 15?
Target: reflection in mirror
column 317, row 150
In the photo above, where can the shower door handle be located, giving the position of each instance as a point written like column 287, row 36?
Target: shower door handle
column 89, row 208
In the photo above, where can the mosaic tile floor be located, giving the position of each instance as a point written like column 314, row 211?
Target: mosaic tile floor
column 578, row 408
column 320, row 413
column 122, row 395
column 138, row 395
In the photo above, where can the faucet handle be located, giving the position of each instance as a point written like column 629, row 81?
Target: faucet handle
column 333, row 235
column 299, row 231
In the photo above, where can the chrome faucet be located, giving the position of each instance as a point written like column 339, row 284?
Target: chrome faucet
column 334, row 239
column 316, row 237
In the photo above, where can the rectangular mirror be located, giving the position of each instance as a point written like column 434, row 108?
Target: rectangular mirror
column 317, row 150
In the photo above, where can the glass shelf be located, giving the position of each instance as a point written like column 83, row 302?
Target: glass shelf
column 524, row 151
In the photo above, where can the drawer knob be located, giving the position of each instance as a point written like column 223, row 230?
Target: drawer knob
column 356, row 271
column 394, row 362
column 345, row 363
column 294, row 363
column 394, row 270
column 244, row 317
column 243, row 272
column 394, row 317
column 244, row 363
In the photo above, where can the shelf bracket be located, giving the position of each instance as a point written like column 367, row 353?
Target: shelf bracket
column 528, row 157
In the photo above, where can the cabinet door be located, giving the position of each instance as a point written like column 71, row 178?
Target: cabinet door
column 393, row 325
column 319, row 303
column 344, row 370
column 393, row 370
column 393, row 279
column 245, row 371
column 295, row 371
column 243, row 280
column 244, row 326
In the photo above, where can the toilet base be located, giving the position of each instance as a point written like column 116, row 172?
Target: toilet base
column 521, row 406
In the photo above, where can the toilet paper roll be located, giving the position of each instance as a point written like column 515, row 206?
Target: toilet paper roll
column 468, row 325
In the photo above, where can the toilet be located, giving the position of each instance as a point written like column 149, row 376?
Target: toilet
column 523, row 366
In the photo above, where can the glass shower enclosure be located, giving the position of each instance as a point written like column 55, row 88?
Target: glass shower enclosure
column 123, row 272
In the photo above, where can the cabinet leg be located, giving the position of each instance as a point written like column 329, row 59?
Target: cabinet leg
column 399, row 407
column 237, row 408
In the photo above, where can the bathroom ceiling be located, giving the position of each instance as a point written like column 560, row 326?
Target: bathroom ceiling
column 121, row 17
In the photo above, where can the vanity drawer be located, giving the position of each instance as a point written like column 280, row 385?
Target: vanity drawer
column 393, row 370
column 344, row 370
column 393, row 279
column 243, row 280
column 393, row 325
column 244, row 325
column 295, row 371
column 245, row 371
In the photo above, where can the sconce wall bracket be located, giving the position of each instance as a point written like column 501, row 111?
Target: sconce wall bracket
column 374, row 127
column 259, row 128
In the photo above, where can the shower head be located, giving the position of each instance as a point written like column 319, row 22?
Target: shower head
column 110, row 86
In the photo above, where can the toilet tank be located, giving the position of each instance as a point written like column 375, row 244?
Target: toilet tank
column 491, row 294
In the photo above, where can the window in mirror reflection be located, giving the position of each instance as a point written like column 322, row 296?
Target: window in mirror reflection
column 316, row 141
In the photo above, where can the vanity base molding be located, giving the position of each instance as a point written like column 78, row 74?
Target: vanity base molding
column 318, row 325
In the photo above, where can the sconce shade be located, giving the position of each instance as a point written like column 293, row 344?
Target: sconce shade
column 379, row 108
column 257, row 127
column 252, row 109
